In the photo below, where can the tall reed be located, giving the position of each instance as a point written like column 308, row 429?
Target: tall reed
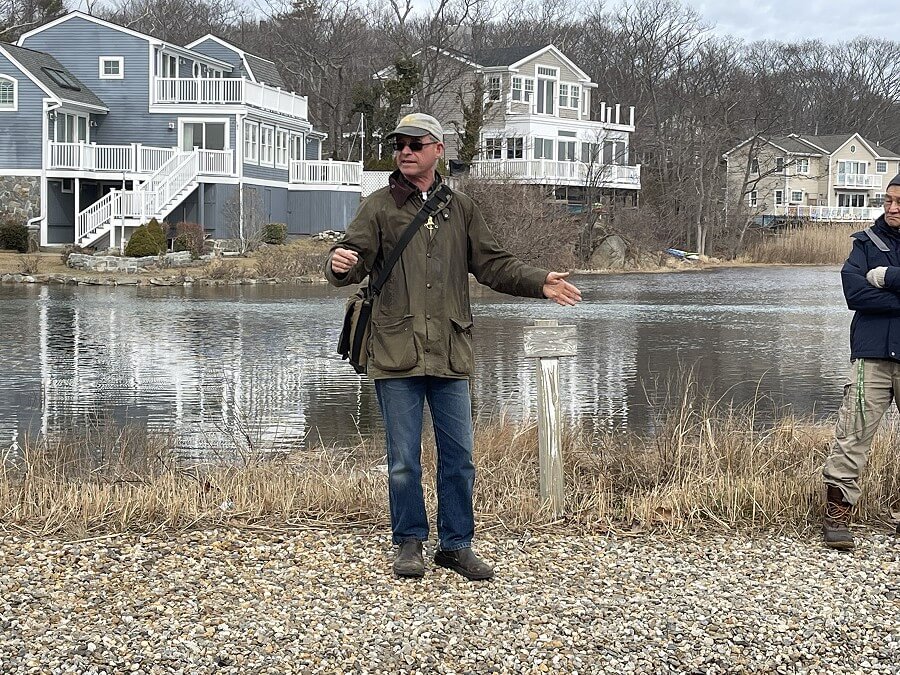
column 811, row 245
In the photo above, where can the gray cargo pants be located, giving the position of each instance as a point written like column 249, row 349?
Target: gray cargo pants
column 872, row 385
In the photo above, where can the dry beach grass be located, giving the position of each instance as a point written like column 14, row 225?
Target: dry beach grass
column 716, row 468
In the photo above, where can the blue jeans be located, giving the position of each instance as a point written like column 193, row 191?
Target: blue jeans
column 401, row 401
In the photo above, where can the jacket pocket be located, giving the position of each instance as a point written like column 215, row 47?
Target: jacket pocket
column 462, row 359
column 394, row 344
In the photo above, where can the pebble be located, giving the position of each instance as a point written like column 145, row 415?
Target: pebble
column 320, row 601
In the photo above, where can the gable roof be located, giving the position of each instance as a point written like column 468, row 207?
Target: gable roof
column 260, row 69
column 75, row 14
column 503, row 56
column 34, row 64
column 826, row 144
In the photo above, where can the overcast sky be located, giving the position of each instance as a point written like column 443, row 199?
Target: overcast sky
column 792, row 20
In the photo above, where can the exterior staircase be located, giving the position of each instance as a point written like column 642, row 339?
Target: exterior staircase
column 156, row 198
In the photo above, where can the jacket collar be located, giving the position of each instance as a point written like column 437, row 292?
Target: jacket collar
column 402, row 189
column 882, row 228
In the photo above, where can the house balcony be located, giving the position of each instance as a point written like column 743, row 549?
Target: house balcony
column 325, row 172
column 549, row 172
column 868, row 181
column 228, row 91
column 830, row 213
column 131, row 159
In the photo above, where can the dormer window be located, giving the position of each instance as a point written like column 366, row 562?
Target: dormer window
column 61, row 78
column 8, row 87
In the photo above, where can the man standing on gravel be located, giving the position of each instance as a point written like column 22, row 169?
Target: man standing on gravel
column 420, row 347
column 871, row 279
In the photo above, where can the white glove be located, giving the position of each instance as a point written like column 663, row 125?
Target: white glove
column 875, row 276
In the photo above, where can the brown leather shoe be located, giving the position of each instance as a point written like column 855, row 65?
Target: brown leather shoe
column 836, row 523
column 409, row 561
column 464, row 562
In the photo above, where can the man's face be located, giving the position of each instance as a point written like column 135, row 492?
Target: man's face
column 892, row 206
column 417, row 164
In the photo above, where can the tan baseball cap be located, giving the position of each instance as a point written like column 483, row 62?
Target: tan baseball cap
column 418, row 124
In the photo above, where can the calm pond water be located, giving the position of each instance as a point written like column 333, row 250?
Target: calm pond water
column 258, row 361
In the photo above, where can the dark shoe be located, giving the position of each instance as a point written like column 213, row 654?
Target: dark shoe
column 464, row 562
column 836, row 523
column 409, row 561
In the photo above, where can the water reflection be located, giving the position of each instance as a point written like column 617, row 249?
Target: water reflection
column 256, row 363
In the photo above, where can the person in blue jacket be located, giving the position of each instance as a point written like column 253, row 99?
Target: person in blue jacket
column 871, row 280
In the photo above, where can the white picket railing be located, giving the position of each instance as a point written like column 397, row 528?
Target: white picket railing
column 216, row 162
column 228, row 91
column 859, row 180
column 135, row 158
column 325, row 172
column 153, row 158
column 831, row 213
column 552, row 170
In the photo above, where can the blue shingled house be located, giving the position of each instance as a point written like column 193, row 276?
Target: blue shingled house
column 103, row 127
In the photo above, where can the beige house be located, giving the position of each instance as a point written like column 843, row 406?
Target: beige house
column 839, row 177
column 537, row 126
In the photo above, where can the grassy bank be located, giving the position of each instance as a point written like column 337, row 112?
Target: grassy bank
column 719, row 468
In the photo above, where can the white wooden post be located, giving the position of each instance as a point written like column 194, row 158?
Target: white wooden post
column 548, row 341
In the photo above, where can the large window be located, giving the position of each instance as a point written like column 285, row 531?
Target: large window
column 202, row 134
column 515, row 148
column 493, row 148
column 267, row 145
column 852, row 199
column 569, row 96
column 802, row 166
column 566, row 151
column 251, row 142
column 8, row 87
column 543, row 148
column 70, row 128
column 298, row 146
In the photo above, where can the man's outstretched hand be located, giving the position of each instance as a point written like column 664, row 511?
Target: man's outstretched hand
column 559, row 290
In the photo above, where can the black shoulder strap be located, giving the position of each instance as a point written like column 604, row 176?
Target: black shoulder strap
column 878, row 241
column 435, row 203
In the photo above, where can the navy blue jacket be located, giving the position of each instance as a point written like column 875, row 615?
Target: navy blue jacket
column 875, row 329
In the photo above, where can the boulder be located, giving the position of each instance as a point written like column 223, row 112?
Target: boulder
column 611, row 253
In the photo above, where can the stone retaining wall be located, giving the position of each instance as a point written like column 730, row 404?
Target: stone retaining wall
column 114, row 263
column 20, row 197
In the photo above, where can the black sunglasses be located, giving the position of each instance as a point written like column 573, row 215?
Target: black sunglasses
column 415, row 146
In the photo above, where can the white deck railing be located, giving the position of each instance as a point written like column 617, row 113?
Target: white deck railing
column 325, row 172
column 134, row 158
column 859, row 180
column 831, row 213
column 228, row 91
column 550, row 170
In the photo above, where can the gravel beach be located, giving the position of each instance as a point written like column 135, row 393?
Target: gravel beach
column 242, row 601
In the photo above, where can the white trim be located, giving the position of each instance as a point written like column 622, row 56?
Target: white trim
column 21, row 172
column 886, row 165
column 286, row 134
column 27, row 73
column 15, row 93
column 225, row 43
column 579, row 73
column 103, row 75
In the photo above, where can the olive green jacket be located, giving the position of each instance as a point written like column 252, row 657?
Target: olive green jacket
column 422, row 320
